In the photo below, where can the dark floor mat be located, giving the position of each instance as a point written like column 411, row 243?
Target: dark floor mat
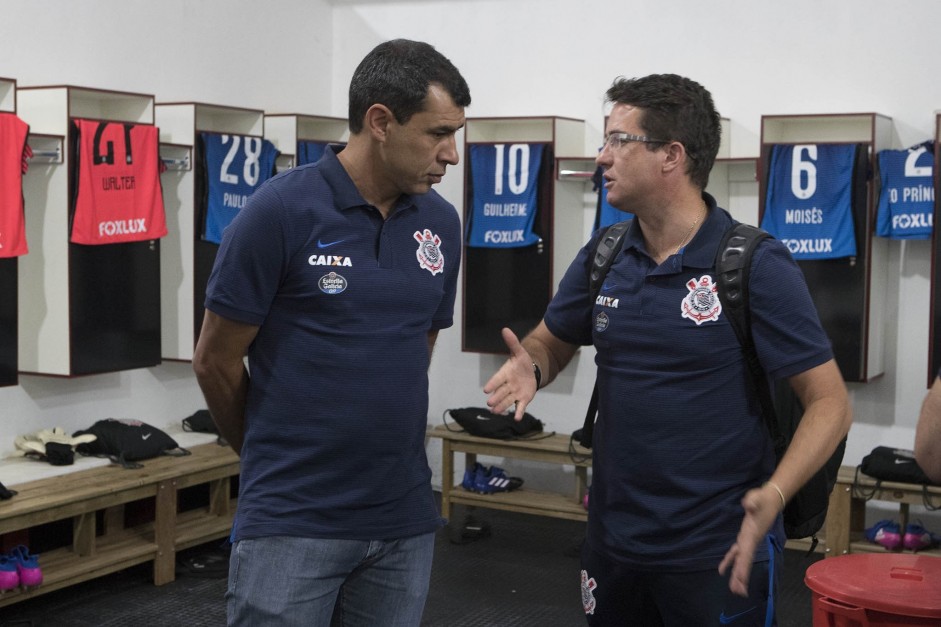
column 525, row 574
column 211, row 564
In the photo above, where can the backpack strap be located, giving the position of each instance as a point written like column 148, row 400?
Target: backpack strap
column 733, row 265
column 606, row 250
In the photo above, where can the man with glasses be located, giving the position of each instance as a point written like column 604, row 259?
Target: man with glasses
column 684, row 525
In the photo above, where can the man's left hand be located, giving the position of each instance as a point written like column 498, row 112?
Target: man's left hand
column 762, row 506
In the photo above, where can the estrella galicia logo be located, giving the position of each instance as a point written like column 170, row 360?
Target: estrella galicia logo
column 332, row 283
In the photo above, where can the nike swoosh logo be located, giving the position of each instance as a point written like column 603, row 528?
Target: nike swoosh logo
column 321, row 244
column 608, row 286
column 726, row 620
column 144, row 437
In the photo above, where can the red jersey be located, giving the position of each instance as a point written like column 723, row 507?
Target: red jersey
column 119, row 198
column 13, row 132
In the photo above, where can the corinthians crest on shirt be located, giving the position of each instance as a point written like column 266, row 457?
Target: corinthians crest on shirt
column 429, row 252
column 702, row 303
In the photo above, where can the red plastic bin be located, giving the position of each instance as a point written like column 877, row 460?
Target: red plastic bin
column 876, row 590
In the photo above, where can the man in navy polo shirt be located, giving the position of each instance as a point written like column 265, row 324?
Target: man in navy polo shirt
column 684, row 522
column 335, row 279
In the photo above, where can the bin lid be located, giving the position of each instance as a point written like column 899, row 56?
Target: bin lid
column 894, row 583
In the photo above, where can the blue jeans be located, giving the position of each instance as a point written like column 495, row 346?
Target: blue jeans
column 288, row 581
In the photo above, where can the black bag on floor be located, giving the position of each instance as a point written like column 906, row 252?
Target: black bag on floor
column 486, row 424
column 127, row 441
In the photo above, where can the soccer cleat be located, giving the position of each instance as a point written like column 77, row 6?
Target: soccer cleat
column 917, row 538
column 495, row 480
column 9, row 577
column 886, row 533
column 470, row 475
column 489, row 480
column 27, row 566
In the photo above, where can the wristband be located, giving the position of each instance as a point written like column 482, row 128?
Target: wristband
column 780, row 493
column 538, row 374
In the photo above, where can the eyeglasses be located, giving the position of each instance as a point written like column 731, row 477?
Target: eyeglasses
column 616, row 140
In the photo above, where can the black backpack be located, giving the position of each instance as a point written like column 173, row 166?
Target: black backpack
column 805, row 513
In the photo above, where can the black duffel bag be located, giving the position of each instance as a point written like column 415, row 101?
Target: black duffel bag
column 486, row 424
column 127, row 441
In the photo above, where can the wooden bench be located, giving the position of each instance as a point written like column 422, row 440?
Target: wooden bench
column 846, row 516
column 553, row 449
column 100, row 494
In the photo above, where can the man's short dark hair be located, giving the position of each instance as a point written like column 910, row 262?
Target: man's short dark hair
column 397, row 74
column 675, row 108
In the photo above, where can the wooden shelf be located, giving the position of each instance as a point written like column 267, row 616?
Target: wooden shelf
column 197, row 527
column 62, row 567
column 553, row 449
column 523, row 501
column 846, row 515
column 95, row 551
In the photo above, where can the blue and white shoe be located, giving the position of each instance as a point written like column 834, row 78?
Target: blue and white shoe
column 886, row 533
column 470, row 477
column 493, row 480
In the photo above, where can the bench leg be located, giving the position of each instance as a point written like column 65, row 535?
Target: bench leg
column 838, row 521
column 219, row 491
column 83, row 534
column 903, row 517
column 581, row 483
column 447, row 478
column 164, row 526
column 113, row 519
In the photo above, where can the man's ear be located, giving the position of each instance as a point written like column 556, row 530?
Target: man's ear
column 377, row 120
column 675, row 155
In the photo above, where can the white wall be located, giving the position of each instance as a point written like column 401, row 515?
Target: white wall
column 521, row 57
column 227, row 52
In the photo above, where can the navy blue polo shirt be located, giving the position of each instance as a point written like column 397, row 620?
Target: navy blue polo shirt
column 338, row 400
column 679, row 437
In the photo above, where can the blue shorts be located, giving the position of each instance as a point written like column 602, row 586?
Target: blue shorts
column 616, row 595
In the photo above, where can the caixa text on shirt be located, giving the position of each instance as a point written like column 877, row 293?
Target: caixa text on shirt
column 607, row 301
column 329, row 260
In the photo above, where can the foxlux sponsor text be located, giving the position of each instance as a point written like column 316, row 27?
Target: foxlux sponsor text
column 111, row 228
